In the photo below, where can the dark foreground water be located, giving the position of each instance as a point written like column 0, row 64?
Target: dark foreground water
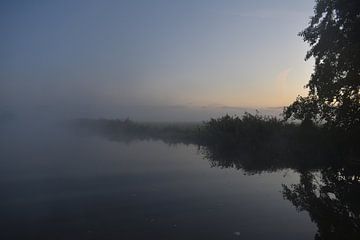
column 57, row 185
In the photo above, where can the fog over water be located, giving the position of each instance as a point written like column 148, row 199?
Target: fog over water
column 58, row 184
column 163, row 113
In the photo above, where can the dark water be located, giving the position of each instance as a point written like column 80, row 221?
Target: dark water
column 58, row 185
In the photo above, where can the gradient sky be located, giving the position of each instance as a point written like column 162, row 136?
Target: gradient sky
column 196, row 53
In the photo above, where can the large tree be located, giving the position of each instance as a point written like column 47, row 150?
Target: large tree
column 334, row 88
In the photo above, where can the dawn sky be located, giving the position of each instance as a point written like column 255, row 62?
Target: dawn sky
column 197, row 53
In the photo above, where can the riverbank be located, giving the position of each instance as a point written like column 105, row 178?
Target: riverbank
column 251, row 141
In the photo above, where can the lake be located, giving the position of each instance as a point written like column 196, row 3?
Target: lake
column 57, row 184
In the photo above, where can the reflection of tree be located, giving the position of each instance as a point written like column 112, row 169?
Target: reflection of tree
column 251, row 160
column 332, row 200
column 256, row 145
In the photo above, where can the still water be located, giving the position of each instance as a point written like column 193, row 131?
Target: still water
column 56, row 184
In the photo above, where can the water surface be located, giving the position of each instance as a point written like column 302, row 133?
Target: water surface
column 56, row 184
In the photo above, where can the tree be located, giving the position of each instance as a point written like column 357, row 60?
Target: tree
column 334, row 87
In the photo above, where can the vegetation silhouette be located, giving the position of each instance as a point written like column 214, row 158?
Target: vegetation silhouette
column 334, row 88
column 129, row 131
column 251, row 142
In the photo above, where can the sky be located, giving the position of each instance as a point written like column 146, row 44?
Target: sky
column 201, row 53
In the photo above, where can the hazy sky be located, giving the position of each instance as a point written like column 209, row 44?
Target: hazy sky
column 198, row 53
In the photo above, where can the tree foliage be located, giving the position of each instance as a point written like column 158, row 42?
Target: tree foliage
column 334, row 38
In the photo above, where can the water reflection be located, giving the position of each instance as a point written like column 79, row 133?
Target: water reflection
column 331, row 195
column 329, row 191
column 332, row 199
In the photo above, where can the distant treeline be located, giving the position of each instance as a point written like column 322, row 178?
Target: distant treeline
column 251, row 142
column 128, row 130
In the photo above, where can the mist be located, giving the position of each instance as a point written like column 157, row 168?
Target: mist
column 182, row 119
column 150, row 62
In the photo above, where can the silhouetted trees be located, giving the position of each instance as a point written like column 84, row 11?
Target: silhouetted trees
column 334, row 88
column 252, row 142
